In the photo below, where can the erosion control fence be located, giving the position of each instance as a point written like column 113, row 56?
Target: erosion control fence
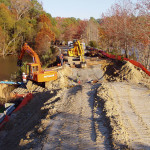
column 135, row 63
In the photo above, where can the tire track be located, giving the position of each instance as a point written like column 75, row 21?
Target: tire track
column 81, row 124
column 130, row 114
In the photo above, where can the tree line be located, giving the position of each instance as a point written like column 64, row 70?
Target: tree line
column 26, row 21
column 124, row 29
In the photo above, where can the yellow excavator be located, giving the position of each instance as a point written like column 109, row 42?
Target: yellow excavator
column 34, row 70
column 77, row 51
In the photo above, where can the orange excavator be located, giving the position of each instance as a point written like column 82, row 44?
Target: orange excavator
column 34, row 70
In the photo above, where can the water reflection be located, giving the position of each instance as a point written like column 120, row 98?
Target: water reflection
column 8, row 65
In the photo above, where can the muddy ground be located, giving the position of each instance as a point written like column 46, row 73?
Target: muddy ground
column 98, row 107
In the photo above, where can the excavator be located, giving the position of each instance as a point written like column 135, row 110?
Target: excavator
column 77, row 51
column 34, row 70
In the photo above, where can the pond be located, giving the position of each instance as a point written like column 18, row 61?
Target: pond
column 8, row 66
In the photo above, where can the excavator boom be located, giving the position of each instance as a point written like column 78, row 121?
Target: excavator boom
column 30, row 51
column 34, row 70
column 76, row 51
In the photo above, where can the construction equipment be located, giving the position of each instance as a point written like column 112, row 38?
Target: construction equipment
column 34, row 70
column 77, row 51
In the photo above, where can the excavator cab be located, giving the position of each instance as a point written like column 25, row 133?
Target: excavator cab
column 32, row 69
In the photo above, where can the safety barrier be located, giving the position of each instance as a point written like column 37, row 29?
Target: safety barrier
column 135, row 63
column 6, row 115
column 24, row 102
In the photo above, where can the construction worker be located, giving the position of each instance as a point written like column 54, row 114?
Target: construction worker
column 24, row 77
column 61, row 59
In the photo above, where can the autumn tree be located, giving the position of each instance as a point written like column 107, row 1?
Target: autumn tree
column 16, row 23
column 118, row 26
column 45, row 35
column 6, row 2
column 2, row 41
column 142, row 27
column 6, row 24
column 81, row 30
column 126, row 28
column 92, row 31
column 20, row 7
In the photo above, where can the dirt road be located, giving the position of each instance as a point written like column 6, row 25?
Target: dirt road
column 68, row 119
column 78, row 123
column 128, row 107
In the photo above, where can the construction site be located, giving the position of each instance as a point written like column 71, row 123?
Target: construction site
column 100, row 102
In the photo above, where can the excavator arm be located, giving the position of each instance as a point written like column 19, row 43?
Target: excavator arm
column 30, row 51
column 77, row 50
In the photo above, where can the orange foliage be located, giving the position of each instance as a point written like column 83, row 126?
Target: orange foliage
column 44, row 19
column 43, row 38
column 2, row 5
column 45, row 35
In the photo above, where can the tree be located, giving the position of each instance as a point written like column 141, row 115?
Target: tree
column 44, row 38
column 45, row 34
column 6, row 19
column 143, row 31
column 92, row 31
column 126, row 27
column 2, row 41
column 118, row 26
column 20, row 7
column 81, row 30
column 36, row 9
column 6, row 2
column 6, row 24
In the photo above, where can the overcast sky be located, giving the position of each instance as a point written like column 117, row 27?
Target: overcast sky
column 83, row 9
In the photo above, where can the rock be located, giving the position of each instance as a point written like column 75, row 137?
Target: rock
column 40, row 130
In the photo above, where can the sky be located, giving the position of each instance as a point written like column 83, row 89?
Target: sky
column 83, row 9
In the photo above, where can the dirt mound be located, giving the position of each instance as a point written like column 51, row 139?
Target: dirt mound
column 125, row 71
column 131, row 73
column 63, row 80
column 5, row 92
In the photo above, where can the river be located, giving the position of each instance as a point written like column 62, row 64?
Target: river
column 8, row 66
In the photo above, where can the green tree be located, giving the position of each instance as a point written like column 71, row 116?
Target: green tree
column 7, row 23
column 6, row 19
column 6, row 2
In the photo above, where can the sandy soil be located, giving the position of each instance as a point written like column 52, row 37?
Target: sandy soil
column 128, row 108
column 82, row 110
column 65, row 119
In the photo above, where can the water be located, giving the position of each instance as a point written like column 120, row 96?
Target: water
column 8, row 66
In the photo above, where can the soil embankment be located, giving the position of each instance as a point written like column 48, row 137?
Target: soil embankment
column 128, row 108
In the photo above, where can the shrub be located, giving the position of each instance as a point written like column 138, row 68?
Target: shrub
column 49, row 56
column 93, row 44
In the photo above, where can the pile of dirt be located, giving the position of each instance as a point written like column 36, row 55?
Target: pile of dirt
column 125, row 71
column 63, row 80
column 5, row 93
